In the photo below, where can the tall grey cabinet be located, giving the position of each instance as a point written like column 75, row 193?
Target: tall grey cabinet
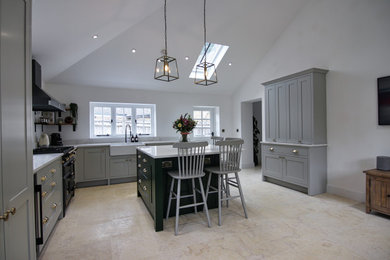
column 294, row 150
column 17, row 234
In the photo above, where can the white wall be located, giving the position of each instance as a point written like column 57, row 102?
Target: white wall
column 169, row 106
column 351, row 38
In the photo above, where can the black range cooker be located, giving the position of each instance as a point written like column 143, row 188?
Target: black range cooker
column 68, row 170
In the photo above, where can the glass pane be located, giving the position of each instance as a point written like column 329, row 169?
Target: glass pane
column 199, row 123
column 206, row 123
column 197, row 132
column 206, row 132
column 206, row 114
column 197, row 114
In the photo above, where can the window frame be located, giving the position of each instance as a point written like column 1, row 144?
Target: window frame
column 113, row 107
column 212, row 111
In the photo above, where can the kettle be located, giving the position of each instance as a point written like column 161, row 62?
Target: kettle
column 43, row 140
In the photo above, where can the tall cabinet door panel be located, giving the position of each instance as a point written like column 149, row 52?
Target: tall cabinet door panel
column 270, row 116
column 293, row 118
column 296, row 170
column 273, row 166
column 94, row 164
column 305, row 109
column 282, row 112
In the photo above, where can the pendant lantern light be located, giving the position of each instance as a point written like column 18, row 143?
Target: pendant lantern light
column 206, row 73
column 166, row 67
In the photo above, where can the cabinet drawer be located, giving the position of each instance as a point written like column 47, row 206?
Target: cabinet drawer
column 145, row 188
column 52, row 204
column 286, row 150
column 48, row 173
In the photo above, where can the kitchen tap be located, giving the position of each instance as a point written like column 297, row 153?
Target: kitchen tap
column 127, row 125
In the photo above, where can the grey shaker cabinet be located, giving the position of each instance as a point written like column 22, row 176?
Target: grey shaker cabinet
column 294, row 153
column 92, row 165
column 295, row 108
column 123, row 166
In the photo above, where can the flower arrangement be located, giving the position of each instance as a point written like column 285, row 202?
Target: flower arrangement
column 185, row 124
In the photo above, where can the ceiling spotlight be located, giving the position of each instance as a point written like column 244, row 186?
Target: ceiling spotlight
column 133, row 50
column 187, row 58
column 230, row 64
column 95, row 36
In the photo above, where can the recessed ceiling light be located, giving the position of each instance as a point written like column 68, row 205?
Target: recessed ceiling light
column 186, row 57
column 230, row 64
column 95, row 36
column 133, row 50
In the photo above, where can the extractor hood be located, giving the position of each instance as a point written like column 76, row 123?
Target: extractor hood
column 41, row 100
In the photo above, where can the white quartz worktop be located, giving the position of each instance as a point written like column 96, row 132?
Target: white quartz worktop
column 167, row 151
column 42, row 160
column 298, row 145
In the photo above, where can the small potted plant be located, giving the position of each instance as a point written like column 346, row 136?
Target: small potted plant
column 185, row 124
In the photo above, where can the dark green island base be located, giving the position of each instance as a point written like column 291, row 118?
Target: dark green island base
column 153, row 186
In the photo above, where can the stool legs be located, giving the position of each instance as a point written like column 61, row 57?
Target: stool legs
column 241, row 195
column 177, row 206
column 219, row 199
column 194, row 192
column 170, row 197
column 204, row 201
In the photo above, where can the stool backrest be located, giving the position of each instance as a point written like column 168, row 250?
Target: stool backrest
column 230, row 154
column 216, row 138
column 190, row 158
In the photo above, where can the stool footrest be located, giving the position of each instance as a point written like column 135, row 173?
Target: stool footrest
column 191, row 205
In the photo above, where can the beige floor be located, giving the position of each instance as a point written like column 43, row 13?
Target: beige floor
column 110, row 222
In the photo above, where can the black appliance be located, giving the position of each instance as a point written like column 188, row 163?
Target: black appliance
column 68, row 170
column 384, row 101
column 55, row 139
column 41, row 100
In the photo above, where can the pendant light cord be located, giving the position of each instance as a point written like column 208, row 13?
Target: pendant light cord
column 204, row 29
column 165, row 20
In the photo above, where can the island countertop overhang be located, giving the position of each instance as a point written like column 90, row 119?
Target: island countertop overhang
column 167, row 151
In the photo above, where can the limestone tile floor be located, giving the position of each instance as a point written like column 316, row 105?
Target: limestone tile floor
column 110, row 222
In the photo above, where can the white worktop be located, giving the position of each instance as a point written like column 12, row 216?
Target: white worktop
column 291, row 144
column 42, row 160
column 167, row 151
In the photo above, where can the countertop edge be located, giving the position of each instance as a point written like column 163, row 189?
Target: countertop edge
column 299, row 145
column 56, row 156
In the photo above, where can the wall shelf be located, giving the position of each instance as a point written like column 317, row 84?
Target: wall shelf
column 59, row 126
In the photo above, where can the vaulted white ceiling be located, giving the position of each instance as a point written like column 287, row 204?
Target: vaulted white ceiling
column 62, row 39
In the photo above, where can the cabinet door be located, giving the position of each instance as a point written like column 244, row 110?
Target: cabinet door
column 273, row 166
column 296, row 170
column 119, row 166
column 79, row 165
column 380, row 190
column 270, row 114
column 132, row 166
column 293, row 118
column 94, row 164
column 282, row 112
column 305, row 110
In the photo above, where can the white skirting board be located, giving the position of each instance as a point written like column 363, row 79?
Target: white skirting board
column 358, row 196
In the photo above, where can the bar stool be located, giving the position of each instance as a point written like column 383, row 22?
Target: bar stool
column 190, row 166
column 229, row 163
column 216, row 139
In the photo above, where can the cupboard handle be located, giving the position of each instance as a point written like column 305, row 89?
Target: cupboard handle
column 144, row 160
column 144, row 188
column 45, row 220
column 295, row 151
column 271, row 149
column 53, row 184
column 139, row 156
column 139, row 165
column 4, row 216
column 44, row 194
column 54, row 205
column 43, row 178
column 139, row 181
column 144, row 170
column 53, row 171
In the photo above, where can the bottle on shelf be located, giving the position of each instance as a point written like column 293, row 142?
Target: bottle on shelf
column 136, row 139
column 132, row 139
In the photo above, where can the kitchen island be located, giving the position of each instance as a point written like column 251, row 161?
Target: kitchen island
column 153, row 163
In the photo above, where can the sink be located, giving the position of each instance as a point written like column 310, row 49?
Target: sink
column 124, row 148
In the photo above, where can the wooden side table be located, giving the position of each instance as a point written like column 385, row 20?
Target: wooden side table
column 378, row 191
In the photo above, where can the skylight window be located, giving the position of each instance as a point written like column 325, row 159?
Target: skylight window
column 215, row 53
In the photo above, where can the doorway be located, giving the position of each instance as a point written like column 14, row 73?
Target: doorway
column 251, row 132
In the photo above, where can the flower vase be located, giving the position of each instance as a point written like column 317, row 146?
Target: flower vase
column 184, row 137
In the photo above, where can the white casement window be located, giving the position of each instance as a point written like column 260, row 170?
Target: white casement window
column 110, row 119
column 206, row 121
